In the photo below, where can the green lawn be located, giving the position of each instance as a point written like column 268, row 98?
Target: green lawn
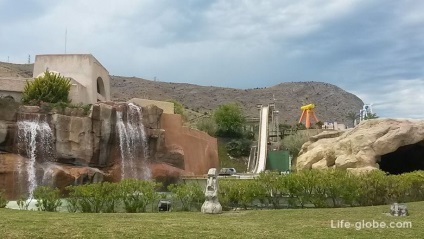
column 284, row 223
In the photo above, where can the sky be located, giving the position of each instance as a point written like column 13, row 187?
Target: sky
column 372, row 48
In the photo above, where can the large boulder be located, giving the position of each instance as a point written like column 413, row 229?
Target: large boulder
column 103, row 122
column 9, row 174
column 7, row 135
column 8, row 109
column 360, row 148
column 74, row 139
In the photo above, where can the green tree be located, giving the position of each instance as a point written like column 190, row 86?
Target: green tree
column 50, row 88
column 230, row 120
column 370, row 116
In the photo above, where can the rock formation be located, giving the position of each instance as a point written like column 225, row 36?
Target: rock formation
column 211, row 204
column 393, row 145
column 87, row 146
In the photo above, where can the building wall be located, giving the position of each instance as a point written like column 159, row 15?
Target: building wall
column 15, row 86
column 83, row 68
column 12, row 87
column 200, row 149
column 167, row 107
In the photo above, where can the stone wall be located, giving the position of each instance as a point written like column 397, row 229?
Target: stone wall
column 167, row 107
column 200, row 149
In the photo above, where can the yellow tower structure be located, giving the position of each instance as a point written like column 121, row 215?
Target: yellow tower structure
column 307, row 112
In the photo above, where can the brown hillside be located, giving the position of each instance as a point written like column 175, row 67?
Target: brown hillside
column 9, row 70
column 332, row 103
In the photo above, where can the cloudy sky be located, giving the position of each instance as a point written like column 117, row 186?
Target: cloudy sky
column 372, row 48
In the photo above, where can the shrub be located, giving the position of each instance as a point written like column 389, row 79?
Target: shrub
column 343, row 186
column 416, row 181
column 137, row 194
column 3, row 200
column 274, row 187
column 239, row 147
column 373, row 188
column 96, row 197
column 188, row 194
column 228, row 194
column 50, row 87
column 179, row 109
column 23, row 202
column 48, row 199
column 241, row 193
column 207, row 125
column 111, row 196
column 293, row 143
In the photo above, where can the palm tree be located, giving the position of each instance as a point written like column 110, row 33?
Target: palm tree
column 353, row 117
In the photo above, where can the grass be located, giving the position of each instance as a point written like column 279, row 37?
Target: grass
column 284, row 223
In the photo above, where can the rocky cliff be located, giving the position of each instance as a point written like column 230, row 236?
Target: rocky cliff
column 88, row 146
column 392, row 145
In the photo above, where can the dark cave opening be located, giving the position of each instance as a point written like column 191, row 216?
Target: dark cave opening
column 405, row 159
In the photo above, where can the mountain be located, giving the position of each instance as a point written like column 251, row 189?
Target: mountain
column 331, row 102
column 10, row 70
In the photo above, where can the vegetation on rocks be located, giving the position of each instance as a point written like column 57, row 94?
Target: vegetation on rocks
column 50, row 88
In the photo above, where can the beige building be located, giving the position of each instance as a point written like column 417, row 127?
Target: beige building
column 90, row 80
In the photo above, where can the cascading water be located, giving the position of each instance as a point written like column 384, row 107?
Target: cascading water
column 35, row 138
column 133, row 143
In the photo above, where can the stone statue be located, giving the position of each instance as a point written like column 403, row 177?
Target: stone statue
column 211, row 204
column 397, row 209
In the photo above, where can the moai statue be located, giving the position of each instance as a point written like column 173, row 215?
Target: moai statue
column 398, row 210
column 211, row 204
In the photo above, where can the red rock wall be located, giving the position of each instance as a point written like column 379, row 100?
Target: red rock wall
column 200, row 149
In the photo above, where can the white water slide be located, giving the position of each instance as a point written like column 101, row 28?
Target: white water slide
column 260, row 160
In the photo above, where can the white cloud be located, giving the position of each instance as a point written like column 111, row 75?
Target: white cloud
column 397, row 99
column 358, row 45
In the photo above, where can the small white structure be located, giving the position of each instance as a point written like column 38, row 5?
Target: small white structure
column 334, row 125
column 366, row 110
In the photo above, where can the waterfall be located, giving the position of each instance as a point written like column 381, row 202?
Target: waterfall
column 133, row 143
column 35, row 138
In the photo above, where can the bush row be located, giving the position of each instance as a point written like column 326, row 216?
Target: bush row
column 129, row 195
column 314, row 188
column 327, row 188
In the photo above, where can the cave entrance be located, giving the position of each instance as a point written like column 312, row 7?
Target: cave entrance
column 405, row 159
